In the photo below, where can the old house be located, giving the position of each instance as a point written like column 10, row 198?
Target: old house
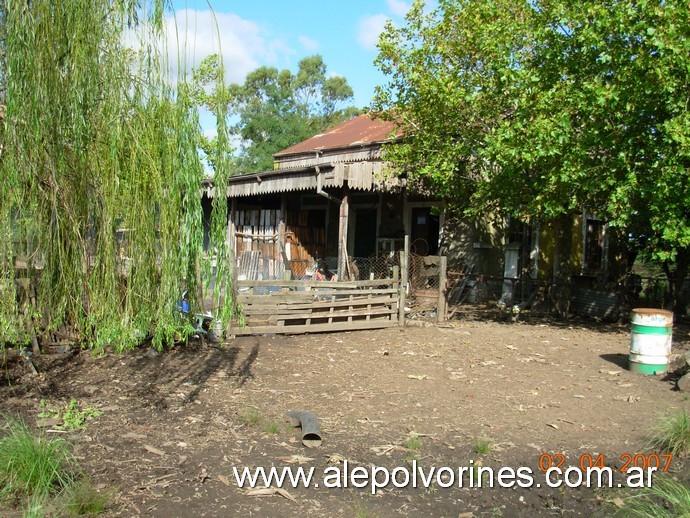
column 328, row 200
column 330, row 203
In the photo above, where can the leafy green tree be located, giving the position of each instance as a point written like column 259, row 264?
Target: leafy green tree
column 276, row 109
column 547, row 108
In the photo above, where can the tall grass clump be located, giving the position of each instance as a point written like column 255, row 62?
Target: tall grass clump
column 101, row 175
column 672, row 434
column 666, row 498
column 33, row 466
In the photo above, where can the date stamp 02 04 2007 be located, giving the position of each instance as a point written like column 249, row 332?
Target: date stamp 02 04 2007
column 662, row 461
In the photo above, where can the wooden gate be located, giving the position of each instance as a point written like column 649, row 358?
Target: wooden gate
column 285, row 307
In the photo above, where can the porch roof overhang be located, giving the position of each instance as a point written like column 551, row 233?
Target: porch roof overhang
column 363, row 176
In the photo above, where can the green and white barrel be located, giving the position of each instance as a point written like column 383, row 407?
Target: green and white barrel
column 650, row 342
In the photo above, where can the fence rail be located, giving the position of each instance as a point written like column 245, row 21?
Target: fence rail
column 291, row 307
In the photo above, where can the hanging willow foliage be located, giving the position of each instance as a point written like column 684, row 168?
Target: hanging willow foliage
column 101, row 177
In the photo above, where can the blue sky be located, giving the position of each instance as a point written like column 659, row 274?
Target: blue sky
column 278, row 33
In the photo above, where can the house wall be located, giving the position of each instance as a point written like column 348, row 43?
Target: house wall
column 474, row 243
column 548, row 248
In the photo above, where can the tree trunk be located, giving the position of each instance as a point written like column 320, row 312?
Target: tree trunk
column 676, row 282
column 562, row 273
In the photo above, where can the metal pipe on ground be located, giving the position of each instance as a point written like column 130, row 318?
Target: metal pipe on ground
column 311, row 431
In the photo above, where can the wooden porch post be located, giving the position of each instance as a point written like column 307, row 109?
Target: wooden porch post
column 442, row 279
column 231, row 236
column 342, row 235
column 282, row 239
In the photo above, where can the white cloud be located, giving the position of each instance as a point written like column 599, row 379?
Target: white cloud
column 369, row 29
column 194, row 34
column 398, row 7
column 309, row 44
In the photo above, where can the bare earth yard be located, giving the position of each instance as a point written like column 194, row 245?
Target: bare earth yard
column 174, row 425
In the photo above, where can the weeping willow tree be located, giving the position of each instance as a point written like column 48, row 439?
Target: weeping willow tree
column 100, row 218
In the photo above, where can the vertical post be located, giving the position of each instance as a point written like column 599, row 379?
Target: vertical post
column 403, row 281
column 282, row 238
column 442, row 269
column 230, row 247
column 396, row 284
column 342, row 235
column 231, row 236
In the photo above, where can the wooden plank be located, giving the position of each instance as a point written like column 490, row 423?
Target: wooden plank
column 310, row 295
column 314, row 328
column 383, row 309
column 350, row 314
column 259, row 307
column 316, row 284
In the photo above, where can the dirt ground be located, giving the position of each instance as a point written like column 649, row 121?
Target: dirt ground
column 174, row 425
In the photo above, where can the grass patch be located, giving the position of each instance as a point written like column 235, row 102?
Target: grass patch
column 272, row 428
column 359, row 510
column 482, row 446
column 250, row 416
column 412, row 443
column 666, row 498
column 672, row 434
column 82, row 499
column 38, row 473
column 33, row 466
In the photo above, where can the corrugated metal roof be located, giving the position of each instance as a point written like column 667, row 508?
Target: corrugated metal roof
column 361, row 176
column 355, row 132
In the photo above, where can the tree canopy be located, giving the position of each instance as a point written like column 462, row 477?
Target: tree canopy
column 276, row 109
column 549, row 107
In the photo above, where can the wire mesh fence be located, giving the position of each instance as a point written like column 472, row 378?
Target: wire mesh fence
column 461, row 286
column 251, row 265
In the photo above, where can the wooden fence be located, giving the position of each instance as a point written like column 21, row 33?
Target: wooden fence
column 288, row 307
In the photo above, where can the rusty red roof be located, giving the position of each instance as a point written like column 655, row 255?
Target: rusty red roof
column 363, row 129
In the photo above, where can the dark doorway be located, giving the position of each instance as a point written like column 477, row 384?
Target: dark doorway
column 425, row 228
column 365, row 233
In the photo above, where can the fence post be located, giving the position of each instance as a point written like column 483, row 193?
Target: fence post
column 442, row 270
column 403, row 281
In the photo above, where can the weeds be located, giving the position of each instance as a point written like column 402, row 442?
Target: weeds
column 481, row 446
column 271, row 428
column 73, row 417
column 251, row 416
column 360, row 510
column 672, row 434
column 412, row 443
